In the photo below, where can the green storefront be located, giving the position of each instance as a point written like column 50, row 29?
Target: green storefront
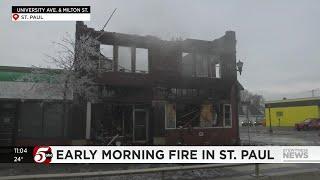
column 27, row 116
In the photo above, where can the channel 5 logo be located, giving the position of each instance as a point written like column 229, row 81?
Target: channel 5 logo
column 42, row 154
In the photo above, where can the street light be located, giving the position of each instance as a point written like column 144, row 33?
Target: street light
column 239, row 66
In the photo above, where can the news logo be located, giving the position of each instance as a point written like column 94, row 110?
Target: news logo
column 42, row 154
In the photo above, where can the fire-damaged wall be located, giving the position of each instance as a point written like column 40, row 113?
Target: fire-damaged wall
column 187, row 95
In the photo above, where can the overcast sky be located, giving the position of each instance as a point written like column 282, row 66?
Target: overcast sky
column 278, row 40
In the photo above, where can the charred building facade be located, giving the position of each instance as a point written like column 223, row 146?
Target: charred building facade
column 150, row 91
column 164, row 92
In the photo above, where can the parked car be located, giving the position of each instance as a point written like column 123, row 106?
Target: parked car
column 315, row 124
column 246, row 123
column 308, row 124
column 258, row 122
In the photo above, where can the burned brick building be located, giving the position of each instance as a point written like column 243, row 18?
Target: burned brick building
column 150, row 91
column 187, row 93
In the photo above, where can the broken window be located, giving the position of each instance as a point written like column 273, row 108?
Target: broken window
column 124, row 59
column 204, row 116
column 187, row 115
column 105, row 61
column 170, row 116
column 142, row 63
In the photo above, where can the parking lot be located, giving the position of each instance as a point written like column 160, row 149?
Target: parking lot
column 280, row 136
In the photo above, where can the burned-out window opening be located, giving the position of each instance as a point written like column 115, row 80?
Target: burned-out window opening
column 187, row 64
column 200, row 65
column 207, row 66
column 184, row 92
column 142, row 60
column 170, row 116
column 187, row 115
column 106, row 59
column 184, row 54
column 217, row 72
column 207, row 115
column 192, row 92
column 173, row 92
column 107, row 92
column 124, row 56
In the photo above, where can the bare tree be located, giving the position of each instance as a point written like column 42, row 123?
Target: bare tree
column 76, row 70
column 254, row 99
column 75, row 76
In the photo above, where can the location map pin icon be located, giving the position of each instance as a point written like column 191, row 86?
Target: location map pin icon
column 15, row 16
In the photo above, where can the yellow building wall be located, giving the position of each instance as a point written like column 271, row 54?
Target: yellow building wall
column 290, row 115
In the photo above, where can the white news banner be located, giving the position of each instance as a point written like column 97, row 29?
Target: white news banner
column 50, row 17
column 50, row 13
column 177, row 154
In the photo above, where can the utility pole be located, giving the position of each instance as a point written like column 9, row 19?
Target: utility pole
column 270, row 127
column 312, row 92
column 247, row 103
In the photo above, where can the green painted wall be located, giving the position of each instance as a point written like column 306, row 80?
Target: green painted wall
column 11, row 76
column 19, row 76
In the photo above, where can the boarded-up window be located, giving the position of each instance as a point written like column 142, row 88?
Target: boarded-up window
column 206, row 115
column 170, row 118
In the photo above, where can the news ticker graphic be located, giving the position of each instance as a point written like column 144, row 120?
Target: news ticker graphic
column 161, row 154
column 50, row 13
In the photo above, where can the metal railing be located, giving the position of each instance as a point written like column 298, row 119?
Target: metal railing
column 160, row 170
